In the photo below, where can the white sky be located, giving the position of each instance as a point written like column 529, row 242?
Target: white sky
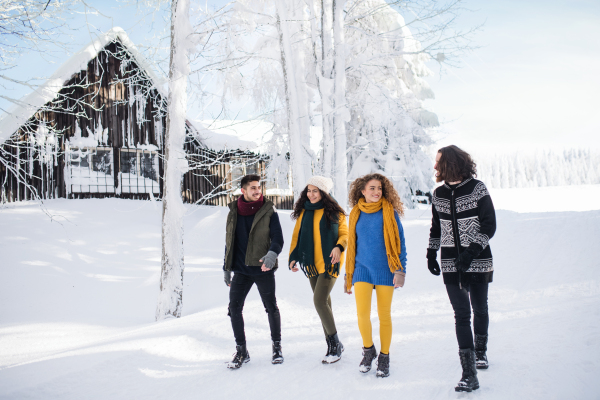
column 534, row 82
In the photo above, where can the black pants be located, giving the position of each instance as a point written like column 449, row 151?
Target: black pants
column 475, row 295
column 240, row 286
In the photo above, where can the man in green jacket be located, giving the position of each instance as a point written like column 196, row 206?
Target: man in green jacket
column 253, row 242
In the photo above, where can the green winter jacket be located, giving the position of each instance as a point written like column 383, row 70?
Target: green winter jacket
column 259, row 241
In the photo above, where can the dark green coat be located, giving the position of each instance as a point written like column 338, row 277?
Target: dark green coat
column 259, row 241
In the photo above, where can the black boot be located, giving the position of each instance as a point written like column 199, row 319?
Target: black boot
column 469, row 381
column 277, row 356
column 383, row 365
column 240, row 357
column 335, row 350
column 481, row 361
column 369, row 354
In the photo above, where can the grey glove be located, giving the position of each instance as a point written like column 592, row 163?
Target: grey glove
column 269, row 259
column 227, row 275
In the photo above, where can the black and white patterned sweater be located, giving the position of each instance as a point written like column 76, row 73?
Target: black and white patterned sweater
column 463, row 217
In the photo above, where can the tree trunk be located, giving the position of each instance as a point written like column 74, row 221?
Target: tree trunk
column 341, row 114
column 300, row 163
column 171, row 279
column 326, row 86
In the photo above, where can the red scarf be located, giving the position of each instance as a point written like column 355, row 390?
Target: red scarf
column 246, row 208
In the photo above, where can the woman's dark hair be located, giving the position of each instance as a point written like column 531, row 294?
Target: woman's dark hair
column 332, row 208
column 455, row 165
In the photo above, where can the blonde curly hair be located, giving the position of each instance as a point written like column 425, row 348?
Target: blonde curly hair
column 389, row 192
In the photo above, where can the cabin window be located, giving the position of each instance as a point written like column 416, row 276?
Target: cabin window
column 90, row 170
column 139, row 171
column 241, row 167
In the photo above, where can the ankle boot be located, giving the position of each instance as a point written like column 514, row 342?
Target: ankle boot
column 277, row 354
column 324, row 361
column 469, row 381
column 335, row 350
column 369, row 354
column 240, row 357
column 383, row 365
column 481, row 361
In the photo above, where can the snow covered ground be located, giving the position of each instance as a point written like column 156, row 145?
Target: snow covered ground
column 78, row 299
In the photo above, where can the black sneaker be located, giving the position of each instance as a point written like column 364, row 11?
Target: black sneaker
column 383, row 365
column 369, row 354
column 277, row 356
column 240, row 357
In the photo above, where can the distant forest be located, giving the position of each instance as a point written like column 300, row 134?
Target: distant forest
column 539, row 168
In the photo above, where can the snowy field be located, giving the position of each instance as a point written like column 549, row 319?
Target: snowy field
column 78, row 299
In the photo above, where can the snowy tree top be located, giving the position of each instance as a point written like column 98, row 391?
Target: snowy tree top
column 253, row 135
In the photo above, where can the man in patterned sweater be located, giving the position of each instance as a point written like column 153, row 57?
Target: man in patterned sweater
column 463, row 222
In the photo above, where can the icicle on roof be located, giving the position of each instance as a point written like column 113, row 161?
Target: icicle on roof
column 28, row 105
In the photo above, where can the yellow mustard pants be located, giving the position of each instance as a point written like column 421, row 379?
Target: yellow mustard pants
column 363, row 292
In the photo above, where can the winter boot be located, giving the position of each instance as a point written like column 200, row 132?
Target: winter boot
column 369, row 354
column 325, row 357
column 240, row 357
column 383, row 365
column 277, row 356
column 469, row 381
column 481, row 361
column 335, row 350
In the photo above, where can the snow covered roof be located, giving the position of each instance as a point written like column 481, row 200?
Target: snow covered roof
column 235, row 135
column 32, row 102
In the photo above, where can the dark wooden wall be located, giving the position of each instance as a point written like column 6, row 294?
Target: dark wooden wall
column 115, row 93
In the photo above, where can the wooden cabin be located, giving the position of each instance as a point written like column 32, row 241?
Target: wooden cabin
column 96, row 129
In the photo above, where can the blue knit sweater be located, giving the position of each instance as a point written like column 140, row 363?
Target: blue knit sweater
column 371, row 264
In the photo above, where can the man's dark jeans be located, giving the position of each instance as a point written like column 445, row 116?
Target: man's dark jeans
column 240, row 286
column 475, row 295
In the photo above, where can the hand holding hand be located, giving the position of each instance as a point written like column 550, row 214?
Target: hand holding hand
column 336, row 255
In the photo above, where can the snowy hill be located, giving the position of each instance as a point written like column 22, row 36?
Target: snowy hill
column 79, row 294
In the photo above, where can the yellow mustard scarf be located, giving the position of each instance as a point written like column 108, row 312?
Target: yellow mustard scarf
column 390, row 234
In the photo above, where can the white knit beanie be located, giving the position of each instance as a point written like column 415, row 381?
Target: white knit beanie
column 325, row 184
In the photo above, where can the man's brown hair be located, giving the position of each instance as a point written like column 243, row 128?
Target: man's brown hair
column 455, row 165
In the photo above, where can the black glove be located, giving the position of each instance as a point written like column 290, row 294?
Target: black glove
column 464, row 259
column 227, row 275
column 432, row 263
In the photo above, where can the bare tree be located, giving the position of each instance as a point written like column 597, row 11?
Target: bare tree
column 170, row 299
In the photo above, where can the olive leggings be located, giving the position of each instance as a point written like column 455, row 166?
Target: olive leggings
column 322, row 285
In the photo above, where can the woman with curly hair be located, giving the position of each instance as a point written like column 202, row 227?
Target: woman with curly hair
column 318, row 242
column 463, row 222
column 376, row 259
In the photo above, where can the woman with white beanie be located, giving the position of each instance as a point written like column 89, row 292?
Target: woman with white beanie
column 318, row 243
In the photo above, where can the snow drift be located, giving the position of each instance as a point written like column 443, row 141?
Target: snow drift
column 78, row 298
